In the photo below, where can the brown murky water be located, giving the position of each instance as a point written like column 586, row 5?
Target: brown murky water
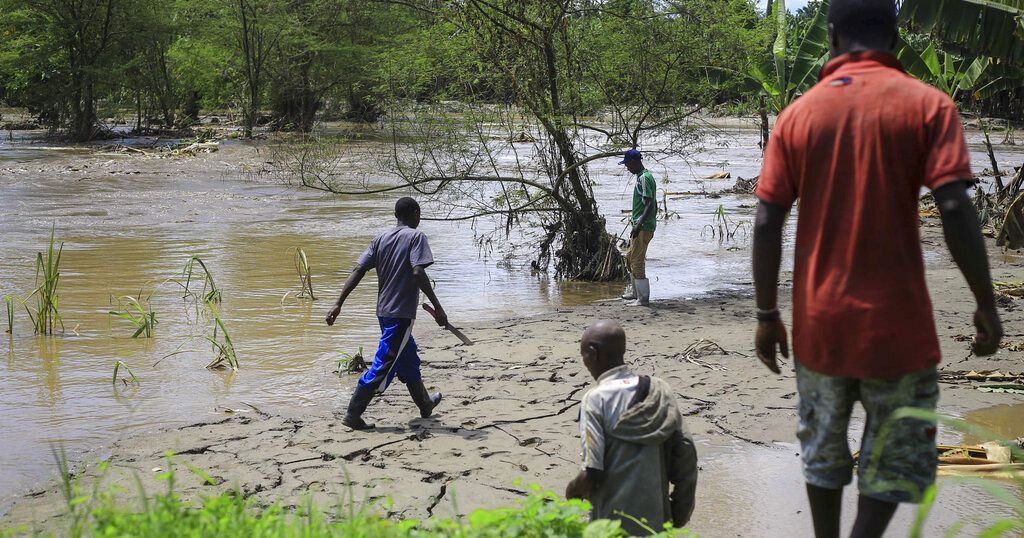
column 129, row 225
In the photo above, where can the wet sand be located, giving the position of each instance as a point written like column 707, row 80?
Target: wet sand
column 509, row 419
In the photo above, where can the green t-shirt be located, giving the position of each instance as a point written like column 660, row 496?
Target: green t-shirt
column 645, row 188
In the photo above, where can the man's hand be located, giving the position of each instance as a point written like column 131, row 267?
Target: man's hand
column 440, row 316
column 990, row 332
column 333, row 314
column 770, row 334
column 634, row 232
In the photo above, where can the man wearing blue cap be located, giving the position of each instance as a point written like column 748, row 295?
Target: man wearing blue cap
column 644, row 219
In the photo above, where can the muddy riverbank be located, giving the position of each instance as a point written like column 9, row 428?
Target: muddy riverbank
column 509, row 415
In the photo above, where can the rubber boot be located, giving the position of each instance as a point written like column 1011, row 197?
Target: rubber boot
column 356, row 406
column 424, row 400
column 643, row 292
column 630, row 292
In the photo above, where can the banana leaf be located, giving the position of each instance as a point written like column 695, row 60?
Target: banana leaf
column 991, row 27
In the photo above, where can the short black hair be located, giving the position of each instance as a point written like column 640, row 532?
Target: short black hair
column 405, row 207
column 866, row 20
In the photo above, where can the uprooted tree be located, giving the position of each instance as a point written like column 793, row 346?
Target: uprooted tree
column 546, row 88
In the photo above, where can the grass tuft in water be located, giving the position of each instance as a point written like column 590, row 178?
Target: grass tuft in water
column 133, row 311
column 209, row 293
column 222, row 346
column 131, row 375
column 9, row 303
column 47, row 315
column 305, row 276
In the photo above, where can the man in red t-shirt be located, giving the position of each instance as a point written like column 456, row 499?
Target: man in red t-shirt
column 856, row 150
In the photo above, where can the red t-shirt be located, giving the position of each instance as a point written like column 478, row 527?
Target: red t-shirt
column 856, row 150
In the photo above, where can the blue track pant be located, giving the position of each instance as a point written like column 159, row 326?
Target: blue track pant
column 396, row 355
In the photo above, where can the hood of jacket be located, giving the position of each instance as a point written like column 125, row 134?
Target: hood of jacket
column 653, row 419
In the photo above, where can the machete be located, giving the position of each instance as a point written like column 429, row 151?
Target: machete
column 465, row 339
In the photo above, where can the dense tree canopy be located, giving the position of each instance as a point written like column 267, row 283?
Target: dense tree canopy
column 77, row 64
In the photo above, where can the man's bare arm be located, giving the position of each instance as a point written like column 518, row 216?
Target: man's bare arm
column 358, row 272
column 423, row 282
column 963, row 236
column 768, row 226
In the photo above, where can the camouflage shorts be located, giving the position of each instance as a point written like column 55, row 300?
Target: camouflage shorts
column 897, row 462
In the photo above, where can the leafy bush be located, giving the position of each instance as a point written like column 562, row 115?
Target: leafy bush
column 230, row 515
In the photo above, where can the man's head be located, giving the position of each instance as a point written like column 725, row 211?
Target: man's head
column 407, row 211
column 633, row 160
column 855, row 25
column 603, row 346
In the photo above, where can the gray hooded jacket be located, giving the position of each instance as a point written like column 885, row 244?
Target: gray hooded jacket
column 646, row 448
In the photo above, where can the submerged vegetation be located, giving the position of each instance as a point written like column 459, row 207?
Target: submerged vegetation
column 209, row 294
column 46, row 317
column 131, row 310
column 9, row 305
column 305, row 275
column 223, row 347
column 131, row 375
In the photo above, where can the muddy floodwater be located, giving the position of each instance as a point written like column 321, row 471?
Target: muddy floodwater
column 129, row 224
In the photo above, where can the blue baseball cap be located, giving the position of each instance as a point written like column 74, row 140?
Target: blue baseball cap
column 631, row 155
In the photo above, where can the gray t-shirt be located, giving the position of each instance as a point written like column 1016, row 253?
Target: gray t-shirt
column 393, row 254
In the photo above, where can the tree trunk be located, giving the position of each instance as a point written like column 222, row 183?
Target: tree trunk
column 763, row 111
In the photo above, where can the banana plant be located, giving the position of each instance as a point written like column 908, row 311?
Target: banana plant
column 792, row 71
column 993, row 28
column 793, row 67
column 941, row 69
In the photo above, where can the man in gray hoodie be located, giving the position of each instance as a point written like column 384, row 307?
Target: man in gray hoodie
column 634, row 441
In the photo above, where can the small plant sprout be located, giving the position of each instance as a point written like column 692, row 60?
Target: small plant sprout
column 223, row 347
column 132, row 310
column 131, row 375
column 305, row 277
column 209, row 294
column 47, row 314
column 9, row 303
column 723, row 228
column 351, row 364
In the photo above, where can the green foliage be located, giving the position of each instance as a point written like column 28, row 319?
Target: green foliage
column 9, row 304
column 223, row 347
column 305, row 275
column 117, row 366
column 133, row 312
column 209, row 293
column 47, row 314
column 795, row 62
column 232, row 515
column 991, row 27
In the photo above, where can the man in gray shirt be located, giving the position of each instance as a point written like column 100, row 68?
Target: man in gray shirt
column 400, row 256
column 635, row 444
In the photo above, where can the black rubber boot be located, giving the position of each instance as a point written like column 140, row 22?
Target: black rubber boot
column 424, row 400
column 356, row 406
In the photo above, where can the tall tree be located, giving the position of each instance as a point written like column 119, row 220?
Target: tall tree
column 60, row 55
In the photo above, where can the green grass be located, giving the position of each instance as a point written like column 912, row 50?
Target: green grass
column 305, row 277
column 9, row 303
column 131, row 379
column 47, row 315
column 222, row 347
column 133, row 312
column 209, row 293
column 230, row 515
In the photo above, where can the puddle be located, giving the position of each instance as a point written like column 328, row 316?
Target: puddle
column 746, row 491
column 1005, row 421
